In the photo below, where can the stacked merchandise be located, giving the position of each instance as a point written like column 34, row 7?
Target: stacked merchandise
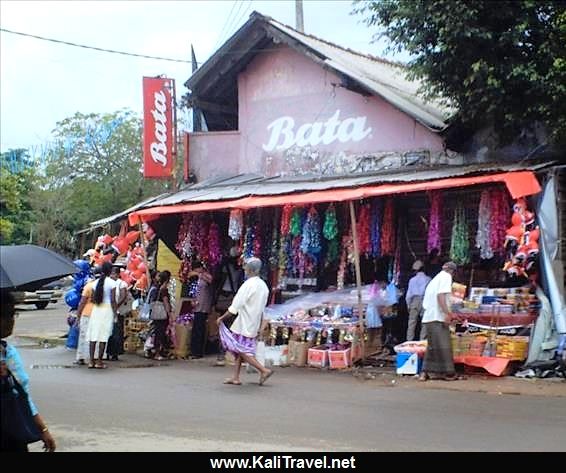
column 134, row 334
column 410, row 357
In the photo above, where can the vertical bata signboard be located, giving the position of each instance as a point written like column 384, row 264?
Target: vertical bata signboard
column 158, row 127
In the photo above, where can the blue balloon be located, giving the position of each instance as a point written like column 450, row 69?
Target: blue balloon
column 72, row 298
column 82, row 265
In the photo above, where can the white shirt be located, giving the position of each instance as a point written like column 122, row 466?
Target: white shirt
column 120, row 284
column 440, row 284
column 249, row 303
column 109, row 284
column 417, row 286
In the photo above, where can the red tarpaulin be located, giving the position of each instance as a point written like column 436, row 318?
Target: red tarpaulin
column 519, row 184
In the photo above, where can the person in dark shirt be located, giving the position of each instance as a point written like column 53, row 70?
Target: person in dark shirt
column 433, row 263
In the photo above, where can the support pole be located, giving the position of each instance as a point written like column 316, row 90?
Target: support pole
column 361, row 320
column 142, row 239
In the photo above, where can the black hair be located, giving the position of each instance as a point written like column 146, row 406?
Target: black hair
column 7, row 305
column 163, row 277
column 105, row 271
column 116, row 270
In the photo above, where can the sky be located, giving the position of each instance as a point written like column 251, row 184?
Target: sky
column 42, row 82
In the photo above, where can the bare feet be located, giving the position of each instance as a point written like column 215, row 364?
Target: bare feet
column 235, row 382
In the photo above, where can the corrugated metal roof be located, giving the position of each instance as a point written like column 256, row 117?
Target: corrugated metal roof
column 124, row 214
column 384, row 78
column 230, row 189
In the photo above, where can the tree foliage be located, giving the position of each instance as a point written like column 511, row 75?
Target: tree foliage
column 502, row 63
column 17, row 182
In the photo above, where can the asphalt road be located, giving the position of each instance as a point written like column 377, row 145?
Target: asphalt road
column 183, row 406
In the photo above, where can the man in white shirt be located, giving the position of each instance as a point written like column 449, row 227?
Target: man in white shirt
column 438, row 358
column 414, row 298
column 248, row 304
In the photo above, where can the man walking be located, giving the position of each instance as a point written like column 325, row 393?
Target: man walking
column 438, row 358
column 248, row 304
column 414, row 298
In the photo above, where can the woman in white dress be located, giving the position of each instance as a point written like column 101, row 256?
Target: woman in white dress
column 102, row 315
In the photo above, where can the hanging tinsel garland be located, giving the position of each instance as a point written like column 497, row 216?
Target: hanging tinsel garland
column 274, row 248
column 460, row 242
column 214, row 248
column 286, row 219
column 330, row 233
column 483, row 235
column 311, row 244
column 375, row 235
column 388, row 229
column 435, row 222
column 257, row 239
column 295, row 225
column 183, row 245
column 363, row 228
column 236, row 224
column 248, row 250
column 500, row 216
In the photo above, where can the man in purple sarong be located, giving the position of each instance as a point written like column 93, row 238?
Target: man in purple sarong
column 248, row 304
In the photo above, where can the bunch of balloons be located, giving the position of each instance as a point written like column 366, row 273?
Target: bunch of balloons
column 521, row 242
column 136, row 269
column 80, row 278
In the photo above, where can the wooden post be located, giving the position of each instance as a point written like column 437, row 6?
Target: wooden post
column 361, row 319
column 142, row 239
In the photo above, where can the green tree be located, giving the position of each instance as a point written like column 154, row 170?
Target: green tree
column 17, row 180
column 92, row 172
column 501, row 63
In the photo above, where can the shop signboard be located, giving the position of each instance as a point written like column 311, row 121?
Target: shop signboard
column 158, row 127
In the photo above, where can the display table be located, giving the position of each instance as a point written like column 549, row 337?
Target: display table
column 494, row 366
column 513, row 320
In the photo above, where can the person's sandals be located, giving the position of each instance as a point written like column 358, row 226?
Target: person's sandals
column 264, row 377
column 100, row 366
column 232, row 381
column 91, row 366
column 424, row 377
column 454, row 377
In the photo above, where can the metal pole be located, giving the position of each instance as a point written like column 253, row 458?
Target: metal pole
column 361, row 320
column 299, row 20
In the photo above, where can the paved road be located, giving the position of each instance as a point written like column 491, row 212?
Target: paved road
column 182, row 406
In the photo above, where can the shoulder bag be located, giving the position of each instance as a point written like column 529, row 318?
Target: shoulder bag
column 18, row 423
column 158, row 311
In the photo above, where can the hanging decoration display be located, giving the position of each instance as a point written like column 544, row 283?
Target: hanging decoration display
column 460, row 241
column 330, row 233
column 521, row 242
column 500, row 215
column 257, row 237
column 286, row 219
column 248, row 251
column 183, row 245
column 346, row 258
column 375, row 234
column 236, row 224
column 295, row 223
column 214, row 249
column 388, row 229
column 363, row 228
column 310, row 243
column 275, row 242
column 435, row 222
column 483, row 235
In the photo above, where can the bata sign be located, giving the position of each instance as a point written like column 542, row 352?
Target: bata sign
column 157, row 127
column 284, row 136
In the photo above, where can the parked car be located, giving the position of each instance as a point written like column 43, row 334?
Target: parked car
column 51, row 292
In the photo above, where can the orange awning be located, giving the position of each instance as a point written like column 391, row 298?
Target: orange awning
column 519, row 184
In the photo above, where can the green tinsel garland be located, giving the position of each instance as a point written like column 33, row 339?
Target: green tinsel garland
column 460, row 242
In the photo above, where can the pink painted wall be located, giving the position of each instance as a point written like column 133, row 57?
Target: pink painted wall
column 213, row 153
column 284, row 83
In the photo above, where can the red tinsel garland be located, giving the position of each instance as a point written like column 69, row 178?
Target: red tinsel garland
column 500, row 216
column 363, row 227
column 388, row 229
column 286, row 219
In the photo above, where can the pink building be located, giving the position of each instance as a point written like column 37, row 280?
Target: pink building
column 280, row 102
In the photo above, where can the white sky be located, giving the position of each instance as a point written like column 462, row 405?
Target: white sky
column 43, row 82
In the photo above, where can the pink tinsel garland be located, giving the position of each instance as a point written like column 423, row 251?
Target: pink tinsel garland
column 435, row 222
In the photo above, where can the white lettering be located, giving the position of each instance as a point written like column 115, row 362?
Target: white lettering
column 158, row 148
column 283, row 136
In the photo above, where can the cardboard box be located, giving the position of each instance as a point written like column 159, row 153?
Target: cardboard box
column 318, row 357
column 298, row 352
column 340, row 359
column 409, row 363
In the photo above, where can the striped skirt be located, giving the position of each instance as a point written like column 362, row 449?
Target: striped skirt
column 438, row 357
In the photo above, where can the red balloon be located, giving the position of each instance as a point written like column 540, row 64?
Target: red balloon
column 132, row 237
column 107, row 239
column 142, row 282
column 516, row 219
column 121, row 245
column 142, row 266
column 514, row 233
column 107, row 258
column 137, row 274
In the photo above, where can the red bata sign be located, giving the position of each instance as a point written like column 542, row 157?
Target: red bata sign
column 158, row 127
